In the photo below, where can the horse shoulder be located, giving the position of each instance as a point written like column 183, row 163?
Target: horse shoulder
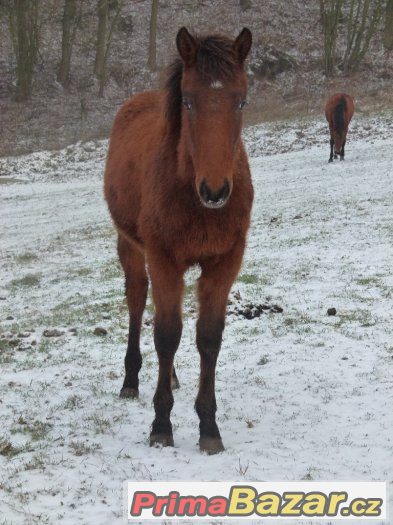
column 134, row 135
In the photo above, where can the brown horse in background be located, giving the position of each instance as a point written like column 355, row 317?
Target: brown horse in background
column 178, row 187
column 339, row 110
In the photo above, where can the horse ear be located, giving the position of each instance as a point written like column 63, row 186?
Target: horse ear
column 187, row 46
column 243, row 43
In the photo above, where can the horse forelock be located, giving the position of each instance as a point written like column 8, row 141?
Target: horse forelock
column 216, row 62
column 216, row 59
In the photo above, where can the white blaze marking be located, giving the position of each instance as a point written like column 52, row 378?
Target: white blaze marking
column 216, row 84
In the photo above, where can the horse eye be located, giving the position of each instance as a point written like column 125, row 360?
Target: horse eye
column 187, row 104
column 242, row 104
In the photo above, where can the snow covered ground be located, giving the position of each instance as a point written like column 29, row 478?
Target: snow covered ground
column 301, row 395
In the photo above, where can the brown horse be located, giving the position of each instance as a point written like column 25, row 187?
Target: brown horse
column 179, row 190
column 339, row 110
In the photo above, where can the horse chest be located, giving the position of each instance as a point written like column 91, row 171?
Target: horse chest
column 202, row 235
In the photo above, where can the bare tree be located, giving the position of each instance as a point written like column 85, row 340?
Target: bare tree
column 23, row 23
column 70, row 21
column 388, row 31
column 104, row 37
column 330, row 16
column 362, row 22
column 102, row 13
column 152, row 59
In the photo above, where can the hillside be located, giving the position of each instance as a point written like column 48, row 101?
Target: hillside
column 285, row 67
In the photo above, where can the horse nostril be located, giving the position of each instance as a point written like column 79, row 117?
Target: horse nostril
column 214, row 198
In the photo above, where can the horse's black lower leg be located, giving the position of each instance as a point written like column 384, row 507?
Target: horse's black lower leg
column 167, row 336
column 209, row 335
column 133, row 263
column 214, row 284
column 331, row 150
column 132, row 361
column 167, row 285
column 342, row 152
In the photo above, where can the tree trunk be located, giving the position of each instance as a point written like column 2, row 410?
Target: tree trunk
column 361, row 26
column 152, row 60
column 100, row 61
column 330, row 16
column 69, row 26
column 388, row 33
column 23, row 26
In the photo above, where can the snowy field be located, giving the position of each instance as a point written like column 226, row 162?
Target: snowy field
column 301, row 395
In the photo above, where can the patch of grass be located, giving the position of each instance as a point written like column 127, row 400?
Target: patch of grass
column 74, row 312
column 248, row 278
column 364, row 317
column 79, row 448
column 6, row 353
column 26, row 257
column 30, row 279
column 45, row 344
column 8, row 450
column 36, row 462
column 366, row 281
column 101, row 424
column 83, row 272
column 38, row 430
column 111, row 269
column 72, row 402
column 4, row 345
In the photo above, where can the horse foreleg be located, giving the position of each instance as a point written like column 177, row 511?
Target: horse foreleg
column 213, row 288
column 133, row 263
column 331, row 150
column 167, row 286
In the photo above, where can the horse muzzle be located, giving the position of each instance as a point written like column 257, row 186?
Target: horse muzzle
column 214, row 199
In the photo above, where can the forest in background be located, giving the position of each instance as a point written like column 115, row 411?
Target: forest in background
column 67, row 65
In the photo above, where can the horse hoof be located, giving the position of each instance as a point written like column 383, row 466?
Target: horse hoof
column 165, row 440
column 211, row 445
column 129, row 393
column 330, row 160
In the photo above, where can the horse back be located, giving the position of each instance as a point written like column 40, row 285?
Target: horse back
column 339, row 107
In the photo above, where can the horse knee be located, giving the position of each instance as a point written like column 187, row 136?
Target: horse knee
column 167, row 336
column 209, row 336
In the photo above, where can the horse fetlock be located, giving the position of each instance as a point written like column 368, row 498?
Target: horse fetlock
column 164, row 440
column 129, row 393
column 161, row 433
column 211, row 445
column 174, row 381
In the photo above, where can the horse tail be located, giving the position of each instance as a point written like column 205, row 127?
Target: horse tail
column 338, row 116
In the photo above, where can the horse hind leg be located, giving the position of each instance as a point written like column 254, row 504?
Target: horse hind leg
column 133, row 263
column 342, row 152
column 331, row 150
